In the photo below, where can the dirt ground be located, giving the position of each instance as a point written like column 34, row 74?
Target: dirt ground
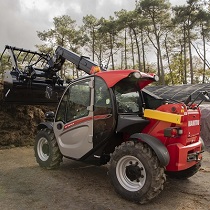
column 76, row 186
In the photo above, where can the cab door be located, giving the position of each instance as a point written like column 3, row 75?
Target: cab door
column 73, row 126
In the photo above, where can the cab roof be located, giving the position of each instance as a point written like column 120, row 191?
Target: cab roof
column 112, row 77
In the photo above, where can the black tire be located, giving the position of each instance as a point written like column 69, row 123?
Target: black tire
column 46, row 149
column 184, row 174
column 135, row 172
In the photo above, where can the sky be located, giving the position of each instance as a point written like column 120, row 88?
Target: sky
column 21, row 19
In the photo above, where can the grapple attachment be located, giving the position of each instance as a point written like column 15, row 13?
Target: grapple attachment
column 33, row 78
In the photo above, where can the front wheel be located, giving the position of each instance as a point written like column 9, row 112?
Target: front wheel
column 135, row 172
column 46, row 149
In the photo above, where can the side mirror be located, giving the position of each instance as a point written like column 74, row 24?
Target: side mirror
column 188, row 100
column 205, row 96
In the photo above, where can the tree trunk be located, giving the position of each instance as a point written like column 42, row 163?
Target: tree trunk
column 138, row 50
column 168, row 60
column 185, row 58
column 158, row 66
column 181, row 72
column 132, row 50
column 143, row 51
column 126, row 66
column 100, row 57
column 190, row 56
column 93, row 45
column 204, row 55
column 161, row 64
column 122, row 59
column 111, row 50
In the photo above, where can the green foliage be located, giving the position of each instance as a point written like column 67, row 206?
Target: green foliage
column 128, row 38
column 177, row 71
column 64, row 33
column 44, row 48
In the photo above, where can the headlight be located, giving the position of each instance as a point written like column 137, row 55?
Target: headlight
column 156, row 78
column 137, row 75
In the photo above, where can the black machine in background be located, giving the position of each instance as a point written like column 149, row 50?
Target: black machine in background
column 34, row 77
column 180, row 92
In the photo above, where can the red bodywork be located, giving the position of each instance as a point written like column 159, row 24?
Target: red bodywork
column 114, row 76
column 184, row 149
column 183, row 146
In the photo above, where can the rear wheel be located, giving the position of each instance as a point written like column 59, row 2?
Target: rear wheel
column 135, row 172
column 184, row 174
column 46, row 149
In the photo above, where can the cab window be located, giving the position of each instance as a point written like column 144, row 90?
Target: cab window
column 102, row 99
column 75, row 102
column 128, row 98
column 103, row 119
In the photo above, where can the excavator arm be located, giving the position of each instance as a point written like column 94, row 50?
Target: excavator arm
column 34, row 77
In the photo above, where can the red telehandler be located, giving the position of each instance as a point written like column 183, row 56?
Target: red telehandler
column 107, row 117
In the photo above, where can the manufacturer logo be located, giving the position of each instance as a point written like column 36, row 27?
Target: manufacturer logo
column 193, row 123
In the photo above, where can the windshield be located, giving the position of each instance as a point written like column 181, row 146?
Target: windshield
column 128, row 98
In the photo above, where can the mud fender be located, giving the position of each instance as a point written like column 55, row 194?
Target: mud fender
column 158, row 147
column 45, row 125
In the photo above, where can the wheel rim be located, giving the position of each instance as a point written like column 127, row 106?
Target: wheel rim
column 43, row 149
column 131, row 173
